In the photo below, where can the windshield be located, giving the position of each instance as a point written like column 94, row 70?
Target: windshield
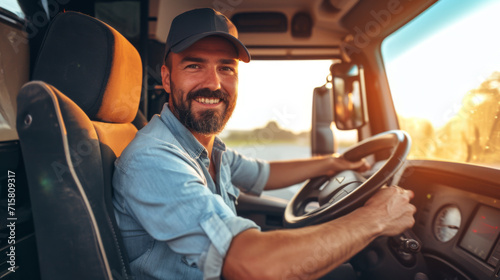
column 443, row 70
column 272, row 118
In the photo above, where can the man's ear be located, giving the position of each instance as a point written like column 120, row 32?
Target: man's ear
column 165, row 78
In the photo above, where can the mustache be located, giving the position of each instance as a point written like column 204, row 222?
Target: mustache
column 205, row 92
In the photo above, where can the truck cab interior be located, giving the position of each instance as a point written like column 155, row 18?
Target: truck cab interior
column 413, row 86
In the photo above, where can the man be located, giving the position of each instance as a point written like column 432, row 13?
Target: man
column 175, row 183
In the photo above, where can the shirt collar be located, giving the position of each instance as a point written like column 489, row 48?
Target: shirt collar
column 219, row 145
column 194, row 148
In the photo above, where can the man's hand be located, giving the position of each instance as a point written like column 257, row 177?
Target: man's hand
column 339, row 163
column 287, row 173
column 391, row 207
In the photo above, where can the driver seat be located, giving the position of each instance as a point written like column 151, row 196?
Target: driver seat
column 73, row 121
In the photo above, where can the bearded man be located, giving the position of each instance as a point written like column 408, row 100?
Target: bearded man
column 176, row 184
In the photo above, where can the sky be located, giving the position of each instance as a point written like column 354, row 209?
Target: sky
column 279, row 91
column 431, row 78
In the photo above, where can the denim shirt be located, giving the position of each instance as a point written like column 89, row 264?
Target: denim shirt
column 176, row 222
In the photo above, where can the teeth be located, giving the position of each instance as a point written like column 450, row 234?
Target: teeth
column 208, row 100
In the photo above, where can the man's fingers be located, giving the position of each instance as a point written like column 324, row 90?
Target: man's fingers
column 365, row 166
column 360, row 165
column 400, row 190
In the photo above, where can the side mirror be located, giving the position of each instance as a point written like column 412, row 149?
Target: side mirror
column 322, row 141
column 349, row 97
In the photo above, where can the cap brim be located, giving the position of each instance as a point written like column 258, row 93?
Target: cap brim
column 243, row 53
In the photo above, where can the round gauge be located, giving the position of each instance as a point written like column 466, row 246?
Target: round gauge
column 447, row 223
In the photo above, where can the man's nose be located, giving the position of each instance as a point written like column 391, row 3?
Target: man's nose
column 212, row 79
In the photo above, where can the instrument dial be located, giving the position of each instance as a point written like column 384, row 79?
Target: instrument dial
column 447, row 223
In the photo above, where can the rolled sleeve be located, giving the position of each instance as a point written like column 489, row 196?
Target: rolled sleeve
column 250, row 175
column 221, row 233
column 261, row 180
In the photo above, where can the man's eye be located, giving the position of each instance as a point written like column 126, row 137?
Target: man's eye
column 193, row 66
column 227, row 68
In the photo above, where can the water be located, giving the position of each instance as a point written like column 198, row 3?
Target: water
column 275, row 151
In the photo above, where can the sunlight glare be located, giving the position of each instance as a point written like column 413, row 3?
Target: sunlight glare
column 445, row 73
column 279, row 91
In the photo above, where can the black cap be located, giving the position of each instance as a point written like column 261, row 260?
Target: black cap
column 191, row 26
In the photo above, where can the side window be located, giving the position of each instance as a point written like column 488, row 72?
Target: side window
column 14, row 65
column 445, row 85
column 16, row 225
column 11, row 8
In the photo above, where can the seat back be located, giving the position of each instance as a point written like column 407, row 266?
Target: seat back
column 73, row 121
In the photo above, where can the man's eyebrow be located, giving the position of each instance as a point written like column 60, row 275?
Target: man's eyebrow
column 192, row 59
column 229, row 61
column 202, row 60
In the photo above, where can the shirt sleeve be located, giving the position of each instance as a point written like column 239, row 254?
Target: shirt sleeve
column 167, row 195
column 250, row 175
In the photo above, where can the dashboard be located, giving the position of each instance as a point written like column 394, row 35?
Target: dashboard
column 458, row 218
column 457, row 223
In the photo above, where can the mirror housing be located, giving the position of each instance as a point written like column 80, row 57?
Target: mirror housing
column 349, row 95
column 322, row 141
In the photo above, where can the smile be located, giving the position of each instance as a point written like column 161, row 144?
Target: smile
column 205, row 100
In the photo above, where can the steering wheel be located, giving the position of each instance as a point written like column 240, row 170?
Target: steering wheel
column 347, row 190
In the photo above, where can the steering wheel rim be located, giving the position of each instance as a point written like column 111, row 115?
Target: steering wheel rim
column 333, row 191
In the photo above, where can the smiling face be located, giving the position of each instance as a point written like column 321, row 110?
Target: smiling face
column 202, row 81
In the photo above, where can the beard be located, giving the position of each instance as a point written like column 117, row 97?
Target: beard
column 207, row 122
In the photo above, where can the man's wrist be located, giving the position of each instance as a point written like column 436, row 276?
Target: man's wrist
column 370, row 221
column 332, row 165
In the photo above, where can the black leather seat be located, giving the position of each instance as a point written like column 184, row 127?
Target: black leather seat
column 73, row 121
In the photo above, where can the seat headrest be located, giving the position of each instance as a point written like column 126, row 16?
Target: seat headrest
column 92, row 64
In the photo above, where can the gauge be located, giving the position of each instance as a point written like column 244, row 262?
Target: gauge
column 447, row 223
